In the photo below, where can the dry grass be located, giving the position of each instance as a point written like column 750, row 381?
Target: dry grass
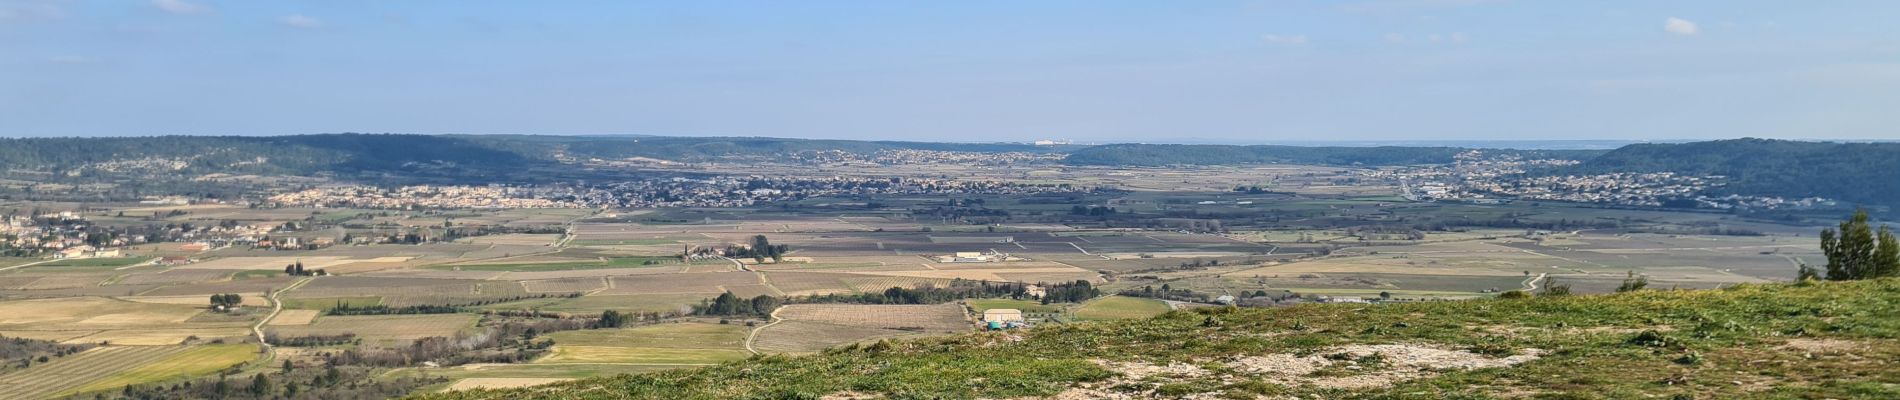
column 500, row 383
column 920, row 318
column 565, row 285
column 810, row 337
column 278, row 263
column 384, row 327
column 710, row 282
column 295, row 317
column 91, row 313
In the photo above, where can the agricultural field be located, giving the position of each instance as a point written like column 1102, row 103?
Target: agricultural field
column 919, row 318
column 112, row 367
column 662, row 344
column 327, row 303
column 1119, row 307
column 596, row 303
column 1027, row 306
column 383, row 328
column 1308, row 239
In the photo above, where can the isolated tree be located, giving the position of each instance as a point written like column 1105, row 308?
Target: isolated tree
column 260, row 385
column 612, row 319
column 1855, row 251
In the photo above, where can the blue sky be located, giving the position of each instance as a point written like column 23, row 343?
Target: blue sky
column 1154, row 71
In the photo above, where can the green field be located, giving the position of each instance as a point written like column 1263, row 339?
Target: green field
column 1119, row 307
column 195, row 361
column 1028, row 306
column 256, row 273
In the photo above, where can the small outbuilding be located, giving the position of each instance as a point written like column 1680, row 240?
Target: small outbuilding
column 1002, row 318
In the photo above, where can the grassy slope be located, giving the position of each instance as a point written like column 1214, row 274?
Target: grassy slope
column 1738, row 333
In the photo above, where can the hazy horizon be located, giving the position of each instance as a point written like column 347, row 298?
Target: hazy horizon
column 1207, row 72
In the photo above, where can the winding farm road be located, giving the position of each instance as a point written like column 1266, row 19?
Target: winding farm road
column 275, row 308
column 736, row 263
column 750, row 337
column 1530, row 285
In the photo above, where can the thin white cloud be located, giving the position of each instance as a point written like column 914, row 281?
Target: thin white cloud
column 301, row 21
column 1393, row 38
column 1284, row 39
column 180, row 6
column 1680, row 26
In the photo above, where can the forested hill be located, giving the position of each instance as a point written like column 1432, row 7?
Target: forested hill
column 1863, row 173
column 262, row 155
column 354, row 153
column 699, row 148
column 1188, row 154
column 1767, row 341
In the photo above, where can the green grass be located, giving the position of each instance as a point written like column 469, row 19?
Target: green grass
column 1119, row 307
column 256, row 273
column 1028, row 306
column 1592, row 347
column 617, row 262
column 326, row 303
column 199, row 360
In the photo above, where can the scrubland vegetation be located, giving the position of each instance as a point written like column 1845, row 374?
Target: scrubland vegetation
column 1811, row 340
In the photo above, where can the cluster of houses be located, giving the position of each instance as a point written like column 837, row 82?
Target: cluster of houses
column 1478, row 177
column 924, row 157
column 423, row 196
column 717, row 191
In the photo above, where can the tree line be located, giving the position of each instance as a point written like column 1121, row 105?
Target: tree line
column 727, row 304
